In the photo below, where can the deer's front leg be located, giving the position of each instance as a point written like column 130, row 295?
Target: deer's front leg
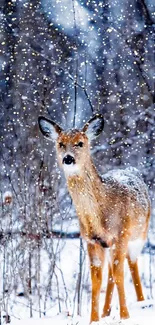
column 96, row 256
column 109, row 292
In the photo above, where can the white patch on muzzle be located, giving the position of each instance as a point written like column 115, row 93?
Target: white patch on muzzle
column 71, row 169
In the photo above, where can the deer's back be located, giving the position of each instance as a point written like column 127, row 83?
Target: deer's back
column 127, row 201
column 127, row 184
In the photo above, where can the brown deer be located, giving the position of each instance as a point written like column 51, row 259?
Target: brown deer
column 113, row 211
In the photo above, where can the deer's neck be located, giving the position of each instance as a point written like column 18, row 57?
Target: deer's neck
column 87, row 192
column 86, row 182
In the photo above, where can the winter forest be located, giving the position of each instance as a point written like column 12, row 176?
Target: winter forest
column 68, row 60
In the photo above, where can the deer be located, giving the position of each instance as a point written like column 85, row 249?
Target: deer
column 113, row 211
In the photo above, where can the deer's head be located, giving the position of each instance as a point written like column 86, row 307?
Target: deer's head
column 72, row 145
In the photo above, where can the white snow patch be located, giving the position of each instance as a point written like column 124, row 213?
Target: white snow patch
column 132, row 180
column 135, row 248
column 7, row 197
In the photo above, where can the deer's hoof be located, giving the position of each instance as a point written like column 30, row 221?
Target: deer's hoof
column 106, row 313
column 124, row 314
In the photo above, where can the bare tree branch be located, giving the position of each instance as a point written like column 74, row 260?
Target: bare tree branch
column 146, row 12
column 38, row 236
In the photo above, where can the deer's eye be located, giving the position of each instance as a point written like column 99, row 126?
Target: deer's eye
column 80, row 144
column 61, row 145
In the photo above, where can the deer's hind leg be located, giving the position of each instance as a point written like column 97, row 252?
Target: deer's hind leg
column 136, row 278
column 96, row 256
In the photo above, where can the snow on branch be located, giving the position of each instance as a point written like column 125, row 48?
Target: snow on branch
column 55, row 234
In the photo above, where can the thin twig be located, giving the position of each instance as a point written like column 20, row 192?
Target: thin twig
column 38, row 236
column 76, row 66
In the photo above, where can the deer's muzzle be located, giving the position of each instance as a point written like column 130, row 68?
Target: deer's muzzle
column 68, row 160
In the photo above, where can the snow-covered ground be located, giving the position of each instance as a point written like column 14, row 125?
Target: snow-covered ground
column 142, row 313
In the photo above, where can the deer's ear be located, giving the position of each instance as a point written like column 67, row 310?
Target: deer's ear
column 49, row 129
column 94, row 126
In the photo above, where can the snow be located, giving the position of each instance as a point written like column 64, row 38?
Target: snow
column 131, row 179
column 69, row 266
column 141, row 314
column 7, row 197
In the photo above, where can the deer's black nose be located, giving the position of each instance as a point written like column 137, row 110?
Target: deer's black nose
column 68, row 160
